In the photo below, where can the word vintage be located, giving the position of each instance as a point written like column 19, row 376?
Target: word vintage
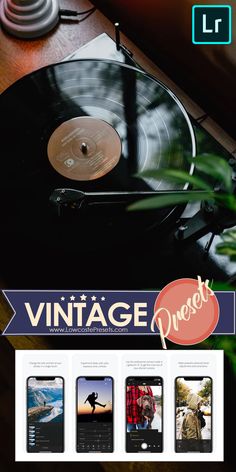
column 79, row 314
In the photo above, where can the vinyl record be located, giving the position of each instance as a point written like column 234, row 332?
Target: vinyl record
column 89, row 125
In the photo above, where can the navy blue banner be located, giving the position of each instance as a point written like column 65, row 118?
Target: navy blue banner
column 95, row 312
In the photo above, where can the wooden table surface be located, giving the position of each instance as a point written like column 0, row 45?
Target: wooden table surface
column 19, row 57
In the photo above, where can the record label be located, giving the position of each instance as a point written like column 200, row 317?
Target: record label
column 84, row 148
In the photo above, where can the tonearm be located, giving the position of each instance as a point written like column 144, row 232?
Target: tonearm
column 210, row 218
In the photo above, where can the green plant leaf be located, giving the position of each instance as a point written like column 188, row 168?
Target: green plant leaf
column 229, row 236
column 228, row 245
column 222, row 287
column 215, row 167
column 226, row 200
column 228, row 249
column 175, row 198
column 177, row 176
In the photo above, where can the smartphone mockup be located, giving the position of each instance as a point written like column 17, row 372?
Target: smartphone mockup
column 144, row 414
column 94, row 414
column 193, row 414
column 45, row 414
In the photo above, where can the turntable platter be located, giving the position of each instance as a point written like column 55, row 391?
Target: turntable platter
column 152, row 126
column 89, row 125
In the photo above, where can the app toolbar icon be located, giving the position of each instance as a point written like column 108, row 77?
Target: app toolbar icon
column 211, row 24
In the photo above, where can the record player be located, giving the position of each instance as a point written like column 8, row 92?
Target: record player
column 75, row 137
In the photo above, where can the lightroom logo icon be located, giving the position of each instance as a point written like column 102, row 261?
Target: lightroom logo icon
column 211, row 24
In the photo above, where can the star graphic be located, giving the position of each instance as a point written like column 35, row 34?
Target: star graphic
column 62, row 299
column 72, row 298
column 103, row 298
column 93, row 298
column 83, row 297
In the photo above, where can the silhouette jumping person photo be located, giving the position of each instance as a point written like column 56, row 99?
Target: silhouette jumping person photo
column 91, row 398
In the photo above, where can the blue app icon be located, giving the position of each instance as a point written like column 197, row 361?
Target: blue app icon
column 211, row 24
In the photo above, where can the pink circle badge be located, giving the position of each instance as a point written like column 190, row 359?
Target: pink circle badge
column 186, row 311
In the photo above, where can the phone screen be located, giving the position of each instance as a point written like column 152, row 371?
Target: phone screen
column 45, row 414
column 193, row 414
column 94, row 412
column 144, row 414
